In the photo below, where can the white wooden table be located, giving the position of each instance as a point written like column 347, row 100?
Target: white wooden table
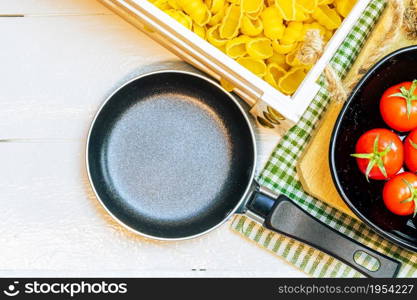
column 59, row 59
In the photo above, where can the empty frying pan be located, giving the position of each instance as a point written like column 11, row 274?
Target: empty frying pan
column 171, row 156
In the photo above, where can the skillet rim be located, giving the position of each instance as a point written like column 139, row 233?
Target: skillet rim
column 332, row 160
column 215, row 85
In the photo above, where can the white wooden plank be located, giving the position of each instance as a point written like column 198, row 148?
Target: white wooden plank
column 52, row 224
column 45, row 7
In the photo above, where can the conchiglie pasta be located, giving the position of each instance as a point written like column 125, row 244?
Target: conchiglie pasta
column 236, row 47
column 230, row 25
column 174, row 4
column 256, row 66
column 180, row 17
column 226, row 85
column 293, row 33
column 264, row 36
column 259, row 48
column 272, row 22
column 308, row 6
column 274, row 73
column 217, row 18
column 251, row 27
column 196, row 9
column 300, row 15
column 199, row 30
column 215, row 5
column 252, row 6
column 279, row 59
column 213, row 36
column 344, row 7
column 289, row 83
column 287, row 9
column 328, row 17
column 162, row 4
column 281, row 48
column 325, row 2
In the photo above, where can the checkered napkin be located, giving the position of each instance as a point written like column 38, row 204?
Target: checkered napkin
column 280, row 175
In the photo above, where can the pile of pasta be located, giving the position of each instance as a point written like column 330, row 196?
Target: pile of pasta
column 262, row 35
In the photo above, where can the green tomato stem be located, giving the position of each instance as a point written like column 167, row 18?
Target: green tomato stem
column 412, row 198
column 408, row 95
column 375, row 158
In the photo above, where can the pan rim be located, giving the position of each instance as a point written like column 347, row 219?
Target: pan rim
column 336, row 130
column 235, row 102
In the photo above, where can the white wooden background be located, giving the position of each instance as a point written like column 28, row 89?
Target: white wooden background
column 59, row 59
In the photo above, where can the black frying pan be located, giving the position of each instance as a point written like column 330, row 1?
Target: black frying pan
column 171, row 155
column 360, row 114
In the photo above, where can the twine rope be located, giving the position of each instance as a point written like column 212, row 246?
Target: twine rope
column 313, row 48
column 397, row 7
column 410, row 20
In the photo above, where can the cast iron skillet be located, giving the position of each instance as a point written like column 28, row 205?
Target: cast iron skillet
column 360, row 114
column 171, row 155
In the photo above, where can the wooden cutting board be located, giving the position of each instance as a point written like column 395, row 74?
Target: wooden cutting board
column 313, row 167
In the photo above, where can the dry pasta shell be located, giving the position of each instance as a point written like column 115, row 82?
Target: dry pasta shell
column 328, row 35
column 251, row 27
column 287, row 9
column 217, row 18
column 197, row 10
column 174, row 4
column 325, row 2
column 215, row 5
column 256, row 66
column 292, row 33
column 300, row 14
column 226, row 85
column 236, row 47
column 259, row 48
column 162, row 4
column 344, row 7
column 308, row 6
column 230, row 25
column 278, row 59
column 290, row 82
column 275, row 114
column 327, row 17
column 180, row 17
column 274, row 73
column 283, row 48
column 272, row 22
column 252, row 6
column 213, row 36
column 255, row 14
column 199, row 30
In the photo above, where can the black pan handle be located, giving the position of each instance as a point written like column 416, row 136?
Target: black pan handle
column 287, row 218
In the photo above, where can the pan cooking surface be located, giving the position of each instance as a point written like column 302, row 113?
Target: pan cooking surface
column 170, row 155
column 360, row 115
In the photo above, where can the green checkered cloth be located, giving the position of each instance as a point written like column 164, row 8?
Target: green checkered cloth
column 280, row 176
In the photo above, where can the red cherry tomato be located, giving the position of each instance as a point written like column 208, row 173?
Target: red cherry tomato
column 400, row 194
column 410, row 151
column 379, row 154
column 398, row 106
